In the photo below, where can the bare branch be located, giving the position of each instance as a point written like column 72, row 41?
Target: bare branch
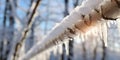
column 29, row 23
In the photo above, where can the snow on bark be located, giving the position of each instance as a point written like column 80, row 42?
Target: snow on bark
column 81, row 19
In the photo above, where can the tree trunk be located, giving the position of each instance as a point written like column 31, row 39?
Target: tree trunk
column 10, row 31
column 3, row 56
column 70, row 56
column 3, row 32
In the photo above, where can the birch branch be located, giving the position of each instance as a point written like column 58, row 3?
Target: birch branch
column 82, row 19
column 29, row 23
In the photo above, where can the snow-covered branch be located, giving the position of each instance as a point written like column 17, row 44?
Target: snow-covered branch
column 81, row 19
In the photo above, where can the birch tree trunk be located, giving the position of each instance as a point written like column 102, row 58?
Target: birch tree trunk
column 10, row 31
column 8, row 37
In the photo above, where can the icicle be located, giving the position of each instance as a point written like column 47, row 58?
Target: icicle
column 104, row 32
column 77, row 39
column 108, row 24
column 118, row 24
column 82, row 37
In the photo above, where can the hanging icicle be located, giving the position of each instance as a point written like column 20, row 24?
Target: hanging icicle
column 118, row 24
column 104, row 31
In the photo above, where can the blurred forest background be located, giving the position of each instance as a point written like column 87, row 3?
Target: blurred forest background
column 15, row 16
